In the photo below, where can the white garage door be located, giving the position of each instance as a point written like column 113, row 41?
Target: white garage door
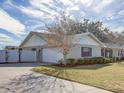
column 51, row 55
column 2, row 56
column 28, row 56
column 13, row 56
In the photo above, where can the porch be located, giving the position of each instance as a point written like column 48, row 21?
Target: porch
column 114, row 53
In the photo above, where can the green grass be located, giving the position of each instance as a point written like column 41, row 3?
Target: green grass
column 107, row 76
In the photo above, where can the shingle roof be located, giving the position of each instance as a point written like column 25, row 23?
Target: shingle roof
column 111, row 45
column 46, row 35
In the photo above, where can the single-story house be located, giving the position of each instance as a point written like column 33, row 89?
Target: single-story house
column 84, row 45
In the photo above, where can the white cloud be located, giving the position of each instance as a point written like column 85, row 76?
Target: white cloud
column 109, row 16
column 40, row 12
column 118, row 29
column 121, row 13
column 99, row 7
column 123, row 20
column 10, row 24
column 82, row 14
column 39, row 2
column 73, row 8
column 87, row 2
column 67, row 2
column 6, row 40
column 37, row 26
column 46, row 10
column 32, row 12
column 39, row 5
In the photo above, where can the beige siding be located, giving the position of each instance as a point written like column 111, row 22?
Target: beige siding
column 87, row 40
column 34, row 41
column 75, row 52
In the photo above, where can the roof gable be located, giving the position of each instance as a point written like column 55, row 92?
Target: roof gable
column 38, row 39
column 87, row 39
column 33, row 39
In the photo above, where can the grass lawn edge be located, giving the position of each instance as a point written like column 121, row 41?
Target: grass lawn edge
column 73, row 81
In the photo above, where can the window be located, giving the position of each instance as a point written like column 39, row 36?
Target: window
column 33, row 49
column 12, row 48
column 86, row 52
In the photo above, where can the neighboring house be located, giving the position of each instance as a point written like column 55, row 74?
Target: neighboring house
column 84, row 45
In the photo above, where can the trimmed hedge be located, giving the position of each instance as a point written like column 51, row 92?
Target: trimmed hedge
column 86, row 61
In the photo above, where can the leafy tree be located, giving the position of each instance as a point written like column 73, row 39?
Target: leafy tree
column 60, row 34
column 64, row 27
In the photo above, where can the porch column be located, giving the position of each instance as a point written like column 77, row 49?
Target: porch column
column 119, row 53
column 104, row 51
column 114, row 54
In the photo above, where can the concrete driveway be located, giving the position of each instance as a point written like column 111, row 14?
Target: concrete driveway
column 18, row 78
column 10, row 71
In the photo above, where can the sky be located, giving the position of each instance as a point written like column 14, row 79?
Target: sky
column 19, row 17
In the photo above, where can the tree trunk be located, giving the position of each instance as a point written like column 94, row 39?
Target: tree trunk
column 64, row 59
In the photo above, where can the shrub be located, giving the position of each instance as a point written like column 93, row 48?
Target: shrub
column 71, row 61
column 80, row 61
column 86, row 61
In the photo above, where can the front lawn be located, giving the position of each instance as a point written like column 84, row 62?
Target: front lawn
column 107, row 76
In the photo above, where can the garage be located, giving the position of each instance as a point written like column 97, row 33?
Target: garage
column 28, row 56
column 13, row 55
column 51, row 55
